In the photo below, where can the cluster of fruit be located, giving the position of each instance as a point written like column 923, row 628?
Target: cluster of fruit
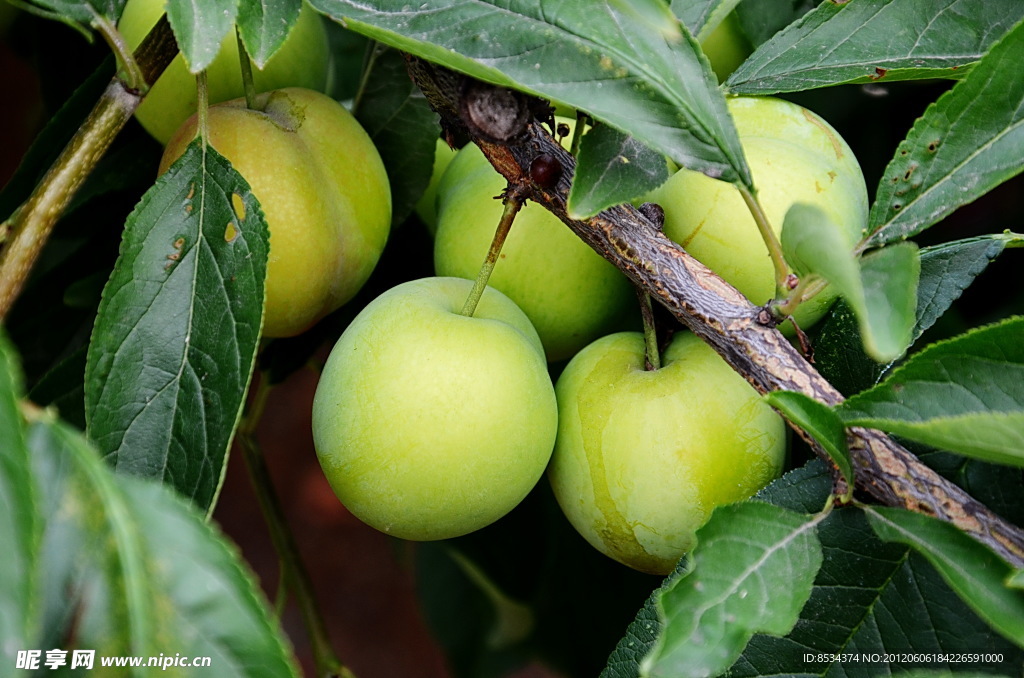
column 434, row 418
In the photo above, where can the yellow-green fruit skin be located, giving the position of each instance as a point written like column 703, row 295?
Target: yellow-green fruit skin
column 302, row 61
column 430, row 424
column 426, row 208
column 323, row 190
column 794, row 156
column 570, row 293
column 644, row 457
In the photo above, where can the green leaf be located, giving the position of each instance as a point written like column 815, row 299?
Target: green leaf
column 154, row 578
column 972, row 570
column 20, row 530
column 590, row 56
column 968, row 142
column 821, row 422
column 946, row 271
column 964, row 395
column 265, row 24
column 177, row 330
column 1016, row 580
column 752, row 570
column 875, row 40
column 613, row 169
column 200, row 27
column 876, row 598
column 403, row 127
column 882, row 289
column 701, row 17
column 761, row 19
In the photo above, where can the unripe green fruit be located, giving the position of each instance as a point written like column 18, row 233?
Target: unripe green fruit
column 644, row 457
column 302, row 61
column 794, row 156
column 426, row 208
column 324, row 192
column 430, row 424
column 570, row 293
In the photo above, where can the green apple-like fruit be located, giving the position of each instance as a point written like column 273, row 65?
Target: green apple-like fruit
column 644, row 457
column 426, row 208
column 794, row 156
column 430, row 424
column 323, row 190
column 570, row 293
column 302, row 61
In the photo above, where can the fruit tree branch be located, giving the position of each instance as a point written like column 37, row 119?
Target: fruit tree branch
column 740, row 332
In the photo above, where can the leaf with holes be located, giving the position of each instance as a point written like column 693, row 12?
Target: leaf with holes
column 176, row 335
column 968, row 142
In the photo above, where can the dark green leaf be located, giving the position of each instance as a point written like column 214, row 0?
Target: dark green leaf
column 875, row 598
column 153, row 577
column 590, row 56
column 178, row 326
column 946, row 271
column 702, row 16
column 264, row 25
column 20, row 530
column 964, row 395
column 972, row 570
column 821, row 422
column 804, row 489
column 613, row 169
column 761, row 19
column 200, row 27
column 875, row 40
column 882, row 290
column 403, row 127
column 968, row 142
column 752, row 571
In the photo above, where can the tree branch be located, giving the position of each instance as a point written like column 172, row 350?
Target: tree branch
column 743, row 334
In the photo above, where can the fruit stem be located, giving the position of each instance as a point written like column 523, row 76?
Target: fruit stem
column 293, row 572
column 128, row 69
column 652, row 356
column 770, row 241
column 202, row 106
column 373, row 51
column 514, row 197
column 247, row 82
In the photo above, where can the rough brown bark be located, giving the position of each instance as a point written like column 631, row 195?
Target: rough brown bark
column 739, row 331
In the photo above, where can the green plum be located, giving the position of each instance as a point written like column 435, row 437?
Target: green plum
column 570, row 293
column 794, row 156
column 644, row 457
column 324, row 192
column 302, row 61
column 430, row 424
